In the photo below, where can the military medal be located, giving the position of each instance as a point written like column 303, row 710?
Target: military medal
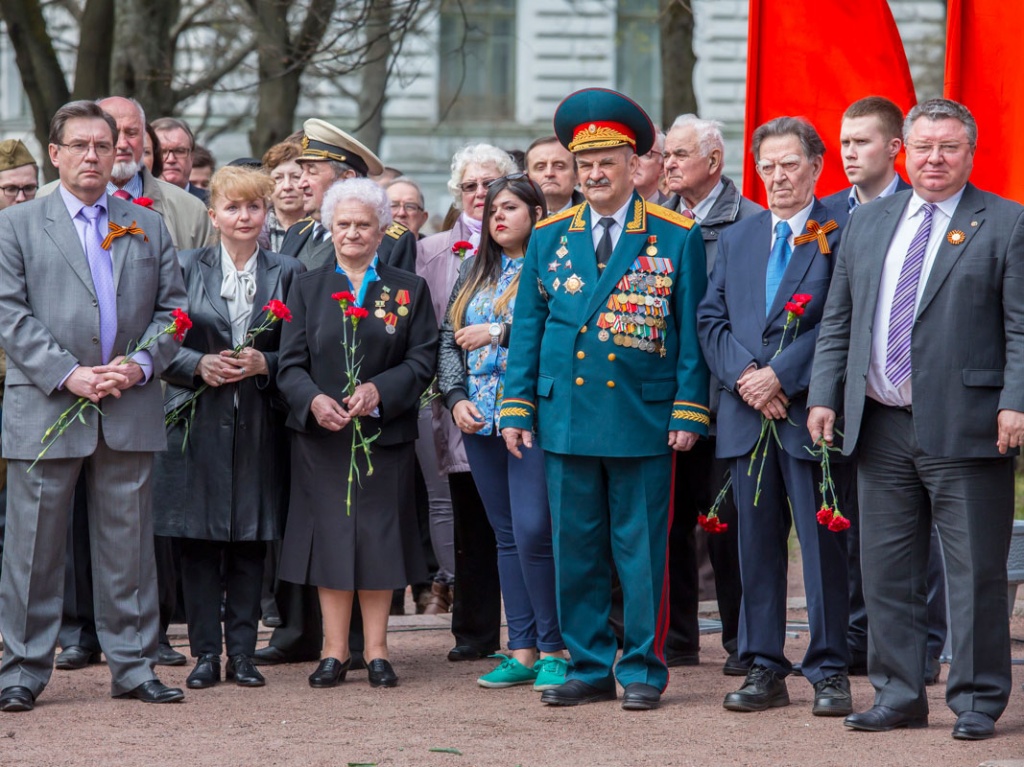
column 562, row 251
column 603, row 335
column 390, row 320
column 556, row 284
column 402, row 299
column 573, row 285
column 553, row 266
column 956, row 237
column 651, row 242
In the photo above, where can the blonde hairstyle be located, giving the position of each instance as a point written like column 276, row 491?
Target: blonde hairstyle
column 233, row 182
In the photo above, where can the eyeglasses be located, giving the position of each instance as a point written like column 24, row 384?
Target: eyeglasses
column 180, row 153
column 925, row 150
column 12, row 192
column 471, row 186
column 79, row 148
column 509, row 177
column 409, row 207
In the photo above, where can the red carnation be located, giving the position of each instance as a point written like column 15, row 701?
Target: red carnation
column 181, row 324
column 145, row 202
column 344, row 298
column 357, row 312
column 838, row 523
column 802, row 298
column 824, row 515
column 793, row 308
column 711, row 524
column 461, row 248
column 278, row 310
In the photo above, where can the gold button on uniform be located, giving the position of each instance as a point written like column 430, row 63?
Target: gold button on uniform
column 611, row 358
column 580, row 355
column 583, row 329
column 579, row 382
column 611, row 384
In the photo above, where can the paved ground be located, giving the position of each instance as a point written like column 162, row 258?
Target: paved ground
column 439, row 706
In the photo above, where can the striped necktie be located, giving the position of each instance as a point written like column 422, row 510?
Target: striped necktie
column 904, row 302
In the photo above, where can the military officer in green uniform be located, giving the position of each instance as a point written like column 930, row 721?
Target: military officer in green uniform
column 605, row 370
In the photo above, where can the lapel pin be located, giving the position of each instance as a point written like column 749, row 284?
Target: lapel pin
column 956, row 237
column 974, row 223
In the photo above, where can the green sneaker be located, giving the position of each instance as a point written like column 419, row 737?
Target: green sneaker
column 509, row 673
column 550, row 673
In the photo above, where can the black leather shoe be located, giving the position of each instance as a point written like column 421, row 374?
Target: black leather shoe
column 468, row 652
column 676, row 658
column 330, row 673
column 974, row 725
column 640, row 697
column 17, row 699
column 155, row 691
column 733, row 666
column 576, row 693
column 883, row 719
column 205, row 674
column 75, row 657
column 832, row 696
column 272, row 656
column 381, row 674
column 271, row 620
column 762, row 689
column 168, row 656
column 240, row 668
column 932, row 671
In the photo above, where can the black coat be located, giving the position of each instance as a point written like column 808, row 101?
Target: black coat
column 231, row 481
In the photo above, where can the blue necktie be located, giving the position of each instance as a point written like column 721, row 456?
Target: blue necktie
column 102, row 269
column 777, row 263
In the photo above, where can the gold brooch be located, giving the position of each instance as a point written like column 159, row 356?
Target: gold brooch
column 573, row 285
column 956, row 237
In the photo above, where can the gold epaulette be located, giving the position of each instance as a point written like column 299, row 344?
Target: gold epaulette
column 396, row 230
column 560, row 216
column 670, row 215
column 309, row 220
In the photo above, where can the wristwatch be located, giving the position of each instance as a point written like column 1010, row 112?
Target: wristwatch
column 495, row 330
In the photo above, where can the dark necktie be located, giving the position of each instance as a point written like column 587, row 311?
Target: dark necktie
column 102, row 269
column 121, row 194
column 904, row 302
column 604, row 245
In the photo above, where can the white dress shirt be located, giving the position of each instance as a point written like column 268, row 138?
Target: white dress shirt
column 879, row 387
column 614, row 230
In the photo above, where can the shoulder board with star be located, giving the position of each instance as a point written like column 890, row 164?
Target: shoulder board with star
column 669, row 215
column 396, row 230
column 560, row 216
column 308, row 221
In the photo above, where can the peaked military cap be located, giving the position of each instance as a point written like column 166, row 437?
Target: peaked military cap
column 596, row 118
column 323, row 141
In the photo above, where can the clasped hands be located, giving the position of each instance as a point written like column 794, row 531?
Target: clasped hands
column 760, row 388
column 334, row 416
column 95, row 383
column 230, row 366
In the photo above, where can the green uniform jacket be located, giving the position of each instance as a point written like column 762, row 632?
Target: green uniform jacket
column 607, row 362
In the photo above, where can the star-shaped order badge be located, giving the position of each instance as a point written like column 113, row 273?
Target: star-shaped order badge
column 573, row 284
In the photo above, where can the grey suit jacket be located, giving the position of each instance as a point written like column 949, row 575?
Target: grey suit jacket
column 967, row 347
column 51, row 323
column 185, row 216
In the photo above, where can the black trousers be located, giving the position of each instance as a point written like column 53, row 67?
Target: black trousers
column 698, row 478
column 207, row 569
column 476, row 613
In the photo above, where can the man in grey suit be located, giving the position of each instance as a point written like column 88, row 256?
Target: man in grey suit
column 922, row 350
column 72, row 300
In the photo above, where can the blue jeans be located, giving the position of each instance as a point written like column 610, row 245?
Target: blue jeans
column 514, row 492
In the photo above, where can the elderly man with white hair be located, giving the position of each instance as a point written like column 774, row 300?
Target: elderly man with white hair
column 694, row 156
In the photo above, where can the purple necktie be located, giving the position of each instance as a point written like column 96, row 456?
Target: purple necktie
column 904, row 303
column 102, row 269
column 689, row 213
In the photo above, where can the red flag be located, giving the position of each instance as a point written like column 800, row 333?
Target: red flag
column 984, row 66
column 813, row 58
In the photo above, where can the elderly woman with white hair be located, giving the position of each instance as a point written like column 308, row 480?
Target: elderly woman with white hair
column 371, row 544
column 476, row 601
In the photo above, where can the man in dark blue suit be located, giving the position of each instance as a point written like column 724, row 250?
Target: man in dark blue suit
column 871, row 137
column 764, row 368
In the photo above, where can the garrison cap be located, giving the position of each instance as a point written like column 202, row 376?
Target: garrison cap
column 595, row 118
column 323, row 141
column 14, row 154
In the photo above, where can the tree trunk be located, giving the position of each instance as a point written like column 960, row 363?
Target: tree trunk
column 96, row 43
column 372, row 93
column 143, row 57
column 677, row 59
column 41, row 74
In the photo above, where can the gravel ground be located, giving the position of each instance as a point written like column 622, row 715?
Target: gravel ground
column 439, row 706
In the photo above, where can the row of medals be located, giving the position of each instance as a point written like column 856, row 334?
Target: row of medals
column 636, row 313
column 380, row 312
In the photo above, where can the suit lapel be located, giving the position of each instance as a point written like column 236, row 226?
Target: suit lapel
column 882, row 232
column 799, row 263
column 268, row 275
column 632, row 238
column 580, row 244
column 61, row 229
column 209, row 268
column 967, row 219
column 760, row 250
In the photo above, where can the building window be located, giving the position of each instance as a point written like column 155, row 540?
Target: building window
column 477, row 53
column 638, row 54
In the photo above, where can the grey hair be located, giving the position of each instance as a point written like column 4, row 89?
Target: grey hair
column 478, row 154
column 709, row 132
column 134, row 102
column 362, row 190
column 942, row 109
column 409, row 182
column 800, row 127
column 659, row 140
